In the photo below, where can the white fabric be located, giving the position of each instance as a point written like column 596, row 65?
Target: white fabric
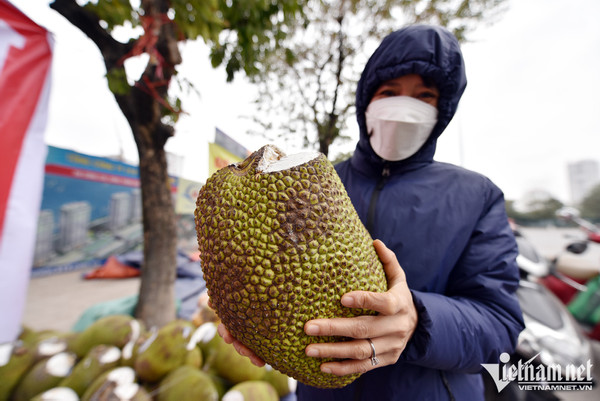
column 398, row 126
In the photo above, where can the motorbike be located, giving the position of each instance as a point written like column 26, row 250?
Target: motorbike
column 552, row 337
column 572, row 215
column 570, row 282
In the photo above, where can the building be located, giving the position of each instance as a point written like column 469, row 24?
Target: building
column 73, row 225
column 583, row 176
column 92, row 208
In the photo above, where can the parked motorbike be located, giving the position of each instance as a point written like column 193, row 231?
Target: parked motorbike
column 551, row 335
column 570, row 283
column 572, row 215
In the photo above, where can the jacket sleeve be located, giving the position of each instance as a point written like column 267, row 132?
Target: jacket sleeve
column 478, row 317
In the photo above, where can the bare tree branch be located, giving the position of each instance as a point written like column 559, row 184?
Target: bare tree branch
column 88, row 23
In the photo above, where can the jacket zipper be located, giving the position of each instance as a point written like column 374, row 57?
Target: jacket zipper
column 385, row 174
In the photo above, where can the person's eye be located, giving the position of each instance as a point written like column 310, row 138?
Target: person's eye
column 427, row 95
column 387, row 93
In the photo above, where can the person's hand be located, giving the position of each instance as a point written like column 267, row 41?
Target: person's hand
column 389, row 331
column 239, row 347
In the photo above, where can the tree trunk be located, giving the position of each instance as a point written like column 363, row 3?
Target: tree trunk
column 156, row 304
column 143, row 106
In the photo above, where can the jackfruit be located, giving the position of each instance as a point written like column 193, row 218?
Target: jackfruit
column 50, row 346
column 280, row 243
column 282, row 383
column 29, row 349
column 100, row 359
column 116, row 384
column 16, row 359
column 172, row 347
column 44, row 375
column 138, row 337
column 114, row 330
column 27, row 334
column 187, row 383
column 47, row 342
column 254, row 390
column 57, row 393
column 223, row 359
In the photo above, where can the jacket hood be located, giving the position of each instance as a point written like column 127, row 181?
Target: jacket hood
column 430, row 51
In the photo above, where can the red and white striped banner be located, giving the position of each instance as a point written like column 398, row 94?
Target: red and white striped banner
column 25, row 64
column 90, row 175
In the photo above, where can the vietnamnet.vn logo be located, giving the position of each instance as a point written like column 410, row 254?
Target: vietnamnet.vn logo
column 530, row 376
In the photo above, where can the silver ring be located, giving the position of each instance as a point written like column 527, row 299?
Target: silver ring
column 374, row 359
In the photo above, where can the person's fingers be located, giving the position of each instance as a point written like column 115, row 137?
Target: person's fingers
column 354, row 349
column 239, row 347
column 248, row 353
column 225, row 334
column 385, row 303
column 348, row 367
column 363, row 360
column 359, row 327
column 393, row 271
column 389, row 302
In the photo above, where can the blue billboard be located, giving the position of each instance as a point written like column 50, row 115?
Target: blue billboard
column 91, row 210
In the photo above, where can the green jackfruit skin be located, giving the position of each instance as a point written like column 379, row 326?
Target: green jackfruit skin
column 21, row 360
column 252, row 391
column 42, row 376
column 283, row 384
column 164, row 353
column 187, row 383
column 278, row 249
column 90, row 367
column 110, row 330
column 224, row 360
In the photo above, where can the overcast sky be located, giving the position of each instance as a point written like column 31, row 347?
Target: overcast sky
column 532, row 102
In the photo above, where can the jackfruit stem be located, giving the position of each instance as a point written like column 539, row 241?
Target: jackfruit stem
column 270, row 155
column 270, row 159
column 274, row 159
column 255, row 162
column 287, row 162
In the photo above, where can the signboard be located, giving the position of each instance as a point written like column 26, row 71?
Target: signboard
column 218, row 157
column 224, row 151
column 187, row 193
column 230, row 144
column 92, row 209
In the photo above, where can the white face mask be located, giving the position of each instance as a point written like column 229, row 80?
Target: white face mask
column 399, row 125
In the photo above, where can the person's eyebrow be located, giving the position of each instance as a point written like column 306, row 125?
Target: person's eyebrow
column 390, row 85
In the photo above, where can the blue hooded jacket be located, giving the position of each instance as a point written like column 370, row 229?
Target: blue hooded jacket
column 449, row 229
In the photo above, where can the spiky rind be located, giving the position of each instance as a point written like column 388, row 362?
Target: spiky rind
column 278, row 249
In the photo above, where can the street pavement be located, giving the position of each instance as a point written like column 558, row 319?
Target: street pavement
column 56, row 302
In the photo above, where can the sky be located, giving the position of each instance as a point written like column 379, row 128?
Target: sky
column 531, row 106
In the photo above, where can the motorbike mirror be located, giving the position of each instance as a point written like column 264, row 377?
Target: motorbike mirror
column 567, row 213
column 577, row 247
